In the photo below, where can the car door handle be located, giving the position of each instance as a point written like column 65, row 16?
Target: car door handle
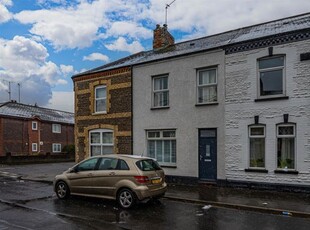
column 89, row 174
column 112, row 173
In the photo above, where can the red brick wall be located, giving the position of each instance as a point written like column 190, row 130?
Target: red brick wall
column 17, row 136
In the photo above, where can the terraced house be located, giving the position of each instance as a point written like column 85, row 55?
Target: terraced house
column 228, row 108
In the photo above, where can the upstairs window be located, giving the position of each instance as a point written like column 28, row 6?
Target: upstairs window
column 160, row 92
column 100, row 99
column 286, row 146
column 56, row 128
column 271, row 77
column 257, row 146
column 206, row 86
column 34, row 125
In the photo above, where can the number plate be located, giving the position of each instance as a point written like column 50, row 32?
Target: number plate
column 156, row 181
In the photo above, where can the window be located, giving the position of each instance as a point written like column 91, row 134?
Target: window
column 100, row 99
column 257, row 146
column 286, row 146
column 206, row 86
column 108, row 164
column 34, row 125
column 87, row 165
column 34, row 147
column 56, row 148
column 271, row 77
column 101, row 142
column 56, row 128
column 161, row 145
column 160, row 92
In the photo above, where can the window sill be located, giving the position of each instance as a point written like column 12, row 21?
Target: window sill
column 206, row 104
column 99, row 113
column 272, row 98
column 164, row 107
column 286, row 171
column 262, row 170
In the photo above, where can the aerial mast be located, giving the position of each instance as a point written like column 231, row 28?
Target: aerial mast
column 167, row 6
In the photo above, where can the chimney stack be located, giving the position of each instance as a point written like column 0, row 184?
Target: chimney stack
column 162, row 38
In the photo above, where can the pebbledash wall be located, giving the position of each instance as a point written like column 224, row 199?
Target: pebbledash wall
column 242, row 106
column 183, row 114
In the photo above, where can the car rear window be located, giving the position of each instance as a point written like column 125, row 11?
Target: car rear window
column 148, row 165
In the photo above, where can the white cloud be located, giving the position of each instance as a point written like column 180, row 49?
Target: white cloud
column 66, row 69
column 121, row 45
column 130, row 29
column 24, row 61
column 62, row 101
column 5, row 15
column 96, row 57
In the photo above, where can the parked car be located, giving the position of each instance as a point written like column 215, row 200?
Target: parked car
column 125, row 178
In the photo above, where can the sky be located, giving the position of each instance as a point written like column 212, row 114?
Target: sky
column 44, row 43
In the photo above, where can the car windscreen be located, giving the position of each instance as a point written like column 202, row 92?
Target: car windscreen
column 148, row 165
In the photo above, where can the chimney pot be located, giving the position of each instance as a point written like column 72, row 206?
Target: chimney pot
column 162, row 37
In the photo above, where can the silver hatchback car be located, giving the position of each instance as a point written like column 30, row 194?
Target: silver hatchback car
column 125, row 178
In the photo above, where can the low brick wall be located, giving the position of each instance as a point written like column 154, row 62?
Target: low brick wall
column 47, row 158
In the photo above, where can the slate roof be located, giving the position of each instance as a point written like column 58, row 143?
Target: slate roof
column 14, row 109
column 245, row 34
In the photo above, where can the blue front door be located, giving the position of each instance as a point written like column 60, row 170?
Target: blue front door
column 207, row 154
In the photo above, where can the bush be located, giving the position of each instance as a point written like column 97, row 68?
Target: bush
column 70, row 149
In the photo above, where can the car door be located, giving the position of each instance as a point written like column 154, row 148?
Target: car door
column 106, row 176
column 81, row 177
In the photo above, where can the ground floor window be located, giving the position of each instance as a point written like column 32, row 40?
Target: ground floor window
column 286, row 146
column 161, row 145
column 257, row 146
column 56, row 148
column 101, row 142
column 34, row 147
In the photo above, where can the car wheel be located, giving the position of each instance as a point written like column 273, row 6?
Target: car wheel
column 126, row 198
column 62, row 190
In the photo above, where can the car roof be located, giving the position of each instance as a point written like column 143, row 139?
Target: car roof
column 120, row 156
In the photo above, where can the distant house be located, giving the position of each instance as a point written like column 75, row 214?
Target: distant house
column 31, row 130
column 228, row 108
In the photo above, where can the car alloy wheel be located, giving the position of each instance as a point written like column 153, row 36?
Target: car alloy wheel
column 126, row 198
column 62, row 190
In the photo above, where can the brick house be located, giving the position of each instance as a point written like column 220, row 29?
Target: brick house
column 209, row 108
column 103, row 109
column 31, row 130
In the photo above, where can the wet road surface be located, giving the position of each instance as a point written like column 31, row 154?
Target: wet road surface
column 33, row 205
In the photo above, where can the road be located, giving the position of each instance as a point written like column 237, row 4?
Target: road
column 33, row 205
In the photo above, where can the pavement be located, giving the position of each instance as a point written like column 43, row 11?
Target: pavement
column 267, row 201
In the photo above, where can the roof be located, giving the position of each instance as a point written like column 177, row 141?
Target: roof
column 19, row 110
column 245, row 34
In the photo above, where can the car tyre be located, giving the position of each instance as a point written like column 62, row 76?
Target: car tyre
column 126, row 198
column 62, row 190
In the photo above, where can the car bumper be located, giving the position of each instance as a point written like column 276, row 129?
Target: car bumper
column 145, row 192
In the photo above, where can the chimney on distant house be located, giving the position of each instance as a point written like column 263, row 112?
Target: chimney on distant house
column 162, row 38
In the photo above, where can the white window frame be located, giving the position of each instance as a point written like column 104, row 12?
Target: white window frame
column 101, row 98
column 257, row 136
column 160, row 91
column 259, row 71
column 34, row 125
column 209, row 85
column 34, row 147
column 56, row 148
column 162, row 138
column 286, row 136
column 56, row 128
column 101, row 144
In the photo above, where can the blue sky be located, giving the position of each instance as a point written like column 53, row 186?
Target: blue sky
column 44, row 43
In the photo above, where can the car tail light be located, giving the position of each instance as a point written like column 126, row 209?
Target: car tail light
column 142, row 179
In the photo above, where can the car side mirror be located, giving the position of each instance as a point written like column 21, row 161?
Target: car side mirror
column 73, row 170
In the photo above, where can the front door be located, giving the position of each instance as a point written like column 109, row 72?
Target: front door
column 207, row 154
